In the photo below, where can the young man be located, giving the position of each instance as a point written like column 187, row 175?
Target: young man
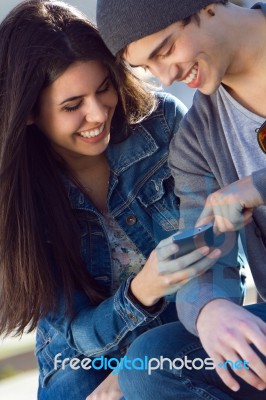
column 218, row 48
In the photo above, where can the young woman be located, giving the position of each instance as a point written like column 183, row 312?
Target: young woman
column 85, row 197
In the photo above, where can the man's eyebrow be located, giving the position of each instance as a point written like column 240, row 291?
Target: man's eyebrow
column 160, row 46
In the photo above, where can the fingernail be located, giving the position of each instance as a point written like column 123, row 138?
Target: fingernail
column 261, row 387
column 216, row 253
column 205, row 250
column 216, row 230
column 235, row 388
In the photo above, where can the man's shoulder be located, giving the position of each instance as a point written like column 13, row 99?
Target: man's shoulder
column 204, row 107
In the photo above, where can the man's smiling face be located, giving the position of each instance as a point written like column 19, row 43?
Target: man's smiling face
column 194, row 54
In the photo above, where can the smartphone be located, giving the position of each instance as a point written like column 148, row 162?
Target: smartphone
column 194, row 238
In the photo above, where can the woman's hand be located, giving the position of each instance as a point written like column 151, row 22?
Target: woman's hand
column 107, row 390
column 164, row 272
column 231, row 208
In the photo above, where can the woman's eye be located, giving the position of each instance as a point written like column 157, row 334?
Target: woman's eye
column 104, row 88
column 72, row 108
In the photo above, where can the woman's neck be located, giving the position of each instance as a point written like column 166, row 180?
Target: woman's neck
column 94, row 179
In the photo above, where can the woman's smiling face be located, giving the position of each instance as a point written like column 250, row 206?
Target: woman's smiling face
column 76, row 110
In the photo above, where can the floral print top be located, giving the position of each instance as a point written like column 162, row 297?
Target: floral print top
column 127, row 258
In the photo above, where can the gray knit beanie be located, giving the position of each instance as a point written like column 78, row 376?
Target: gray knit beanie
column 121, row 22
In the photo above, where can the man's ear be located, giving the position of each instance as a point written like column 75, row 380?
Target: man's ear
column 211, row 12
column 210, row 9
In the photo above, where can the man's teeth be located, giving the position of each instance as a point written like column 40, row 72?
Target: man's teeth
column 192, row 75
column 92, row 133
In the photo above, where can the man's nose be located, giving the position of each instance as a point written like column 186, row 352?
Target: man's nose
column 166, row 73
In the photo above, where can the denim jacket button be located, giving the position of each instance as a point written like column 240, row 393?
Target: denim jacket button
column 131, row 220
column 132, row 317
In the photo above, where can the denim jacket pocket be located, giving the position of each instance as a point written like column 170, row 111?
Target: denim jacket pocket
column 157, row 196
column 51, row 350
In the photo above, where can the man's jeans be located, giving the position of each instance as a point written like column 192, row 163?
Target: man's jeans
column 173, row 341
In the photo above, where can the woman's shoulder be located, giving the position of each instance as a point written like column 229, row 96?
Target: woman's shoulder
column 167, row 101
column 169, row 112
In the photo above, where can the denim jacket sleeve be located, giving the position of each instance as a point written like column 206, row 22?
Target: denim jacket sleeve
column 99, row 330
column 94, row 331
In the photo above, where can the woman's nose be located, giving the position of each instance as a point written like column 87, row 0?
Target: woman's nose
column 96, row 111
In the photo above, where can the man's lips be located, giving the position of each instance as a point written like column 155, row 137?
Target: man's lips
column 191, row 75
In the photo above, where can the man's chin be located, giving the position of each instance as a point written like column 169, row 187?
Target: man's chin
column 208, row 90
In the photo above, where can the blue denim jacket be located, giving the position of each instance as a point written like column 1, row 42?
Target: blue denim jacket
column 141, row 199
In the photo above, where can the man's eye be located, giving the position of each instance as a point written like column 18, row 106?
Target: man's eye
column 168, row 53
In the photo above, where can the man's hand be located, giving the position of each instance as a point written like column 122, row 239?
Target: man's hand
column 107, row 390
column 227, row 331
column 231, row 207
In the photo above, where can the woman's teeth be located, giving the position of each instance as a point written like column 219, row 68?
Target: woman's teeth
column 190, row 78
column 92, row 133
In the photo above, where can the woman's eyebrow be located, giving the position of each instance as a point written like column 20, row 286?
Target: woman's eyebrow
column 71, row 99
column 82, row 95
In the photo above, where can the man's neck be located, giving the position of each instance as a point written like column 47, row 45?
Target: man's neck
column 245, row 79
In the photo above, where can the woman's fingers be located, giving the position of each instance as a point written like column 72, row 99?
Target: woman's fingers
column 166, row 249
column 193, row 263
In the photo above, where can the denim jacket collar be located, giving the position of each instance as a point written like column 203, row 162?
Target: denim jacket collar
column 138, row 146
